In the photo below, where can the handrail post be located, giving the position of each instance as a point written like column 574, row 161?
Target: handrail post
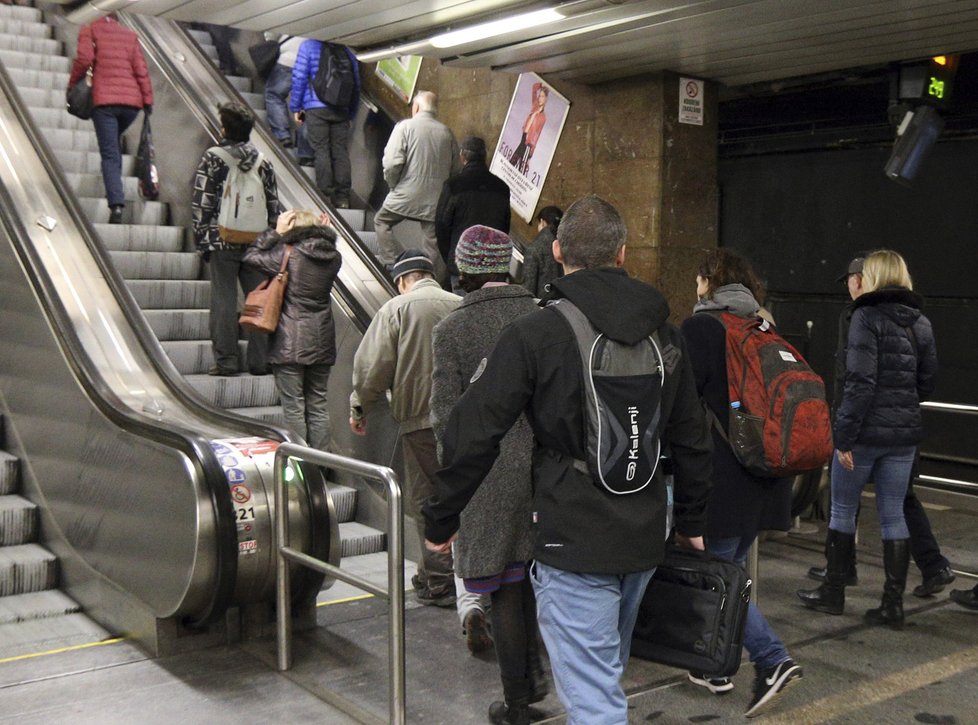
column 395, row 588
column 283, row 596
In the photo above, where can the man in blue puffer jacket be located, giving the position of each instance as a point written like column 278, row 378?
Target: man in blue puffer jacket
column 327, row 127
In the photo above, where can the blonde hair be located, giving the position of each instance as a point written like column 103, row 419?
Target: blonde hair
column 885, row 268
column 305, row 218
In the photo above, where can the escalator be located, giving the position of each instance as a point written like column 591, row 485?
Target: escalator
column 135, row 478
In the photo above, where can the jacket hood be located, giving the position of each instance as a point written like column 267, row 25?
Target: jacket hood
column 624, row 309
column 315, row 242
column 734, row 298
column 899, row 303
column 494, row 293
column 244, row 151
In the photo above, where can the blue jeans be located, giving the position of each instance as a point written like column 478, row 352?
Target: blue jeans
column 889, row 468
column 110, row 123
column 302, row 389
column 765, row 648
column 586, row 621
column 278, row 86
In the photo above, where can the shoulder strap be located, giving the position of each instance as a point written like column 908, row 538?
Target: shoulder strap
column 285, row 259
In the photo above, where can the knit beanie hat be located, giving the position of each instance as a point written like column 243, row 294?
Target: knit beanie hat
column 411, row 260
column 483, row 250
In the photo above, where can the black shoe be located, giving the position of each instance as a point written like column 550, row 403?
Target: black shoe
column 307, row 162
column 934, row 584
column 260, row 371
column 716, row 685
column 218, row 371
column 342, row 204
column 818, row 574
column 477, row 637
column 429, row 598
column 502, row 714
column 967, row 598
column 115, row 213
column 770, row 683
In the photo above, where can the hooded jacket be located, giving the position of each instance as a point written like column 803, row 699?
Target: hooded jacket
column 473, row 196
column 305, row 334
column 891, row 366
column 535, row 369
column 209, row 180
column 119, row 75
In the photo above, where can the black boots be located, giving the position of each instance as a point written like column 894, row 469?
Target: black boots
column 516, row 709
column 896, row 560
column 831, row 596
column 115, row 213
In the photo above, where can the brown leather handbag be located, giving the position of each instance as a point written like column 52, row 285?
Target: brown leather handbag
column 263, row 305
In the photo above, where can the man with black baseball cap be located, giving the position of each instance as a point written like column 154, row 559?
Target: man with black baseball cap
column 395, row 355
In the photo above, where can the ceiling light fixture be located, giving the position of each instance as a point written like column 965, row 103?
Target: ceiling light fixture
column 493, row 28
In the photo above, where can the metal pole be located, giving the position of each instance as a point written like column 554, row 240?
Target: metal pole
column 395, row 588
column 280, row 538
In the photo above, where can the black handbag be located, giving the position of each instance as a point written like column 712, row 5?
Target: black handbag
column 79, row 97
column 265, row 55
column 693, row 614
column 149, row 180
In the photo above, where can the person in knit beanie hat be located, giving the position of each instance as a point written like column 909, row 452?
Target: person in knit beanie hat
column 483, row 255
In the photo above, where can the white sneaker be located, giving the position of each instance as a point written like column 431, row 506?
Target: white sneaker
column 716, row 685
column 771, row 682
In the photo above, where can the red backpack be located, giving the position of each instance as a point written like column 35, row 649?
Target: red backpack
column 779, row 422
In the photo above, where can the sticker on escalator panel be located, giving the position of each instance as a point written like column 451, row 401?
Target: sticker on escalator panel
column 255, row 446
column 235, row 475
column 240, row 493
column 248, row 547
column 228, row 461
column 221, row 450
column 244, row 513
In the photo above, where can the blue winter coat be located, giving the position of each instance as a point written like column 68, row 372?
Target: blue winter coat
column 891, row 366
column 303, row 96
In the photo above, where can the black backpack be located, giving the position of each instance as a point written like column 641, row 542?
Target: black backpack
column 334, row 81
column 623, row 405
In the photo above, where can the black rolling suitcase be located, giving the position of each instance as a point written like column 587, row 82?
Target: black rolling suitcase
column 693, row 614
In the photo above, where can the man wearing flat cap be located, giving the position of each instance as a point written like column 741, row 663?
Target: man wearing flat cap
column 474, row 196
column 395, row 355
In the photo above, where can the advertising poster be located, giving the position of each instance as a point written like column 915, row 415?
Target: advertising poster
column 401, row 74
column 527, row 143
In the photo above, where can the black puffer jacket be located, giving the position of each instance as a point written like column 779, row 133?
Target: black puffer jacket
column 473, row 196
column 305, row 334
column 535, row 368
column 891, row 365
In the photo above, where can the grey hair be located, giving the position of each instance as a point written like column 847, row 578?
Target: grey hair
column 591, row 233
column 426, row 100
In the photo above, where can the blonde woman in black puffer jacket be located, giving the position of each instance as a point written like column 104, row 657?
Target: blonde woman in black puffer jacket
column 302, row 349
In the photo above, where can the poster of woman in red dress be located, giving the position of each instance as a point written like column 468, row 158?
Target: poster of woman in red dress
column 528, row 140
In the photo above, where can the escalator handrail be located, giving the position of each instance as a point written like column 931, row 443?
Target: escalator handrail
column 203, row 108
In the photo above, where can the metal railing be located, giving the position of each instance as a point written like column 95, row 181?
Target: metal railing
column 395, row 562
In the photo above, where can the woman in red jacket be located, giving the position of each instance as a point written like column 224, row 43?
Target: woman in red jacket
column 120, row 87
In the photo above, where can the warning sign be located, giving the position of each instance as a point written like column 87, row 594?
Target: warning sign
column 691, row 101
column 240, row 493
column 255, row 446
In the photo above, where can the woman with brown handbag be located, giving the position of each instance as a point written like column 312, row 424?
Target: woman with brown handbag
column 302, row 349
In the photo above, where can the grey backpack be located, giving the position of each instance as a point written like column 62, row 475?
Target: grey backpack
column 623, row 404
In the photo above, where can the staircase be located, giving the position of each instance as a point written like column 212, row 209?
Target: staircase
column 34, row 615
column 152, row 256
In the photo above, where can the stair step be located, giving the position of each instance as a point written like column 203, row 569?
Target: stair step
column 9, row 473
column 369, row 240
column 23, row 44
column 157, row 265
column 241, row 391
column 66, row 139
column 59, row 118
column 18, row 520
column 50, row 63
column 136, row 212
column 242, row 84
column 354, row 217
column 162, row 294
column 20, row 12
column 141, row 238
column 33, row 78
column 191, row 357
column 24, row 28
column 26, row 568
column 45, row 99
column 201, row 37
column 268, row 414
column 36, row 605
column 89, row 162
column 254, row 100
column 358, row 539
column 345, row 501
column 91, row 185
column 179, row 324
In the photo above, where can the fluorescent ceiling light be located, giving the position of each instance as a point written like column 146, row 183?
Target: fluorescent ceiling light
column 394, row 52
column 496, row 27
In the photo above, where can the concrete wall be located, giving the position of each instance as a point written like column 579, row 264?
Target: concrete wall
column 621, row 141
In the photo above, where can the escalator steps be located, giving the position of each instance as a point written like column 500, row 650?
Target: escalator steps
column 26, row 568
column 18, row 521
column 36, row 605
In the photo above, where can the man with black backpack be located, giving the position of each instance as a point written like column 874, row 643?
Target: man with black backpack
column 599, row 503
column 325, row 97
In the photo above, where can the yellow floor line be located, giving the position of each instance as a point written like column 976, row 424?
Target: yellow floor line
column 114, row 640
column 344, row 601
column 870, row 693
